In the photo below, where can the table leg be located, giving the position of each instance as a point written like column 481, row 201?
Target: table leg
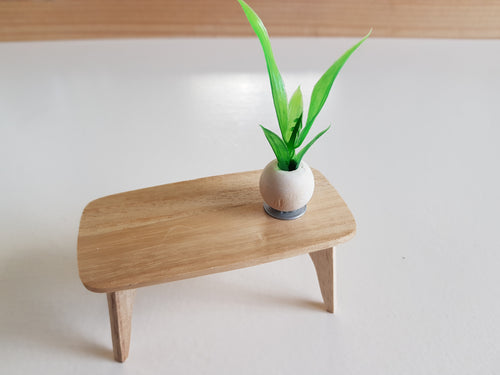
column 120, row 316
column 323, row 262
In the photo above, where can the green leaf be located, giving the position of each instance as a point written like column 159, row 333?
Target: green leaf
column 295, row 111
column 322, row 89
column 277, row 86
column 279, row 148
column 300, row 155
column 295, row 133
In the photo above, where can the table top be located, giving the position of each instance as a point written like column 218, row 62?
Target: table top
column 193, row 228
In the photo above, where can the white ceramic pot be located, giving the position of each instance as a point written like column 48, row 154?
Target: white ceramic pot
column 286, row 191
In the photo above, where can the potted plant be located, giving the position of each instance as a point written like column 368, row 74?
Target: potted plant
column 287, row 183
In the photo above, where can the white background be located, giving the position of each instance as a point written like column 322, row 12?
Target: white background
column 413, row 150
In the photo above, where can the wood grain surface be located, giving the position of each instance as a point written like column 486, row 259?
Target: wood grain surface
column 120, row 305
column 323, row 263
column 83, row 19
column 198, row 227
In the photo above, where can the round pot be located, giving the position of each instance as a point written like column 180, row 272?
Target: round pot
column 286, row 193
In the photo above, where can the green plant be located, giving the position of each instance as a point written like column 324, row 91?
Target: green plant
column 290, row 114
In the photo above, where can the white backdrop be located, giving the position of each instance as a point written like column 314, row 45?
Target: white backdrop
column 413, row 151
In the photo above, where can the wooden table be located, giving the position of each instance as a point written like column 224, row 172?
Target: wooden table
column 194, row 228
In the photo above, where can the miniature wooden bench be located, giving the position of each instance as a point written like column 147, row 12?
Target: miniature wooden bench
column 194, row 228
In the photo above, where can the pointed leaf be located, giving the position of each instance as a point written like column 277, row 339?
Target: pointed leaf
column 279, row 148
column 322, row 89
column 277, row 86
column 300, row 155
column 295, row 133
column 294, row 112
